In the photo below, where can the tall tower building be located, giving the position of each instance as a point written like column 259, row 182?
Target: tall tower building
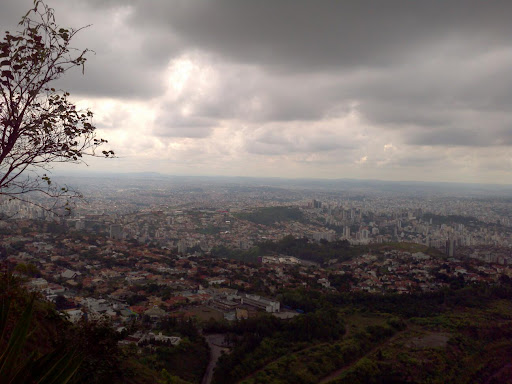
column 116, row 231
column 450, row 247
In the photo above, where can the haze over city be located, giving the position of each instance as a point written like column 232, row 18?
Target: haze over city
column 393, row 90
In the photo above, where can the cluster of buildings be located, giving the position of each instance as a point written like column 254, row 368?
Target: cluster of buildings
column 363, row 225
column 198, row 216
column 138, row 254
column 406, row 272
column 119, row 280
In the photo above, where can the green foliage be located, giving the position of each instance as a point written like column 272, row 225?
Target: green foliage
column 309, row 365
column 250, row 256
column 57, row 367
column 365, row 371
column 304, row 299
column 167, row 378
column 179, row 364
column 185, row 362
column 262, row 340
column 272, row 215
column 309, row 250
column 102, row 359
column 464, row 337
column 28, row 269
column 210, row 230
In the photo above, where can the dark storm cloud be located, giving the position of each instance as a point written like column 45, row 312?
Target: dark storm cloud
column 434, row 72
column 270, row 99
column 432, row 60
column 309, row 35
column 452, row 137
column 462, row 136
column 123, row 62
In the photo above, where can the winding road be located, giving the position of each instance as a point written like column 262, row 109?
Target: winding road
column 215, row 342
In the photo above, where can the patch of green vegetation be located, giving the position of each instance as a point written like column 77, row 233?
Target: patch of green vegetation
column 309, row 250
column 477, row 349
column 272, row 215
column 187, row 360
column 312, row 364
column 210, row 230
column 249, row 256
column 452, row 219
column 453, row 335
column 258, row 342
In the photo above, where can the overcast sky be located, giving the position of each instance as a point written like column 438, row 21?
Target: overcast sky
column 392, row 90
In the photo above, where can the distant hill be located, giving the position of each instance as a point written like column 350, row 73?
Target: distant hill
column 419, row 188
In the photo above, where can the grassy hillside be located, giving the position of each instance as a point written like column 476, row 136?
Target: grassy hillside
column 455, row 336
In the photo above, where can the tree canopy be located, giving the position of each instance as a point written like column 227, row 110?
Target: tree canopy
column 40, row 125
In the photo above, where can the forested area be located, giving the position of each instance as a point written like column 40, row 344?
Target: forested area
column 302, row 248
column 271, row 215
column 379, row 335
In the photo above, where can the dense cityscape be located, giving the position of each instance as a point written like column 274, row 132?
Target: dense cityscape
column 203, row 250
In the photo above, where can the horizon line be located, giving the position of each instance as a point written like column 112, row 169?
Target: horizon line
column 169, row 175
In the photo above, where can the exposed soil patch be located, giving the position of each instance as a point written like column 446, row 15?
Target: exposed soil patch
column 429, row 340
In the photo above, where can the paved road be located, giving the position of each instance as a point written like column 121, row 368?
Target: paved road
column 215, row 343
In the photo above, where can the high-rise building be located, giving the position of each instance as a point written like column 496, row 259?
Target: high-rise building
column 116, row 231
column 450, row 247
column 182, row 246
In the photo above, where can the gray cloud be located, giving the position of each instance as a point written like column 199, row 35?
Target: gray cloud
column 270, row 141
column 171, row 123
column 123, row 61
column 417, row 55
column 421, row 74
column 181, row 132
column 326, row 34
column 471, row 136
